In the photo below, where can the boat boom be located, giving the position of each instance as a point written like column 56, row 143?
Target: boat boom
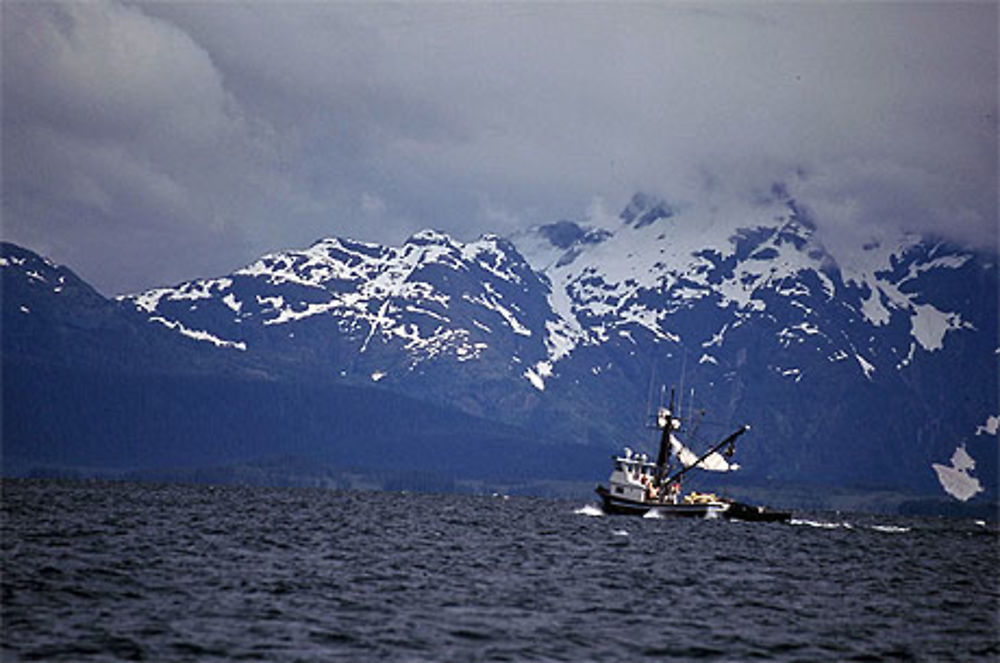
column 729, row 440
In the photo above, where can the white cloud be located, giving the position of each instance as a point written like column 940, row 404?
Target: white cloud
column 222, row 130
column 123, row 152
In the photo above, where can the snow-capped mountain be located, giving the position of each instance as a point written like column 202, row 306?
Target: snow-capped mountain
column 868, row 366
column 91, row 386
column 431, row 298
column 434, row 317
column 659, row 263
column 890, row 349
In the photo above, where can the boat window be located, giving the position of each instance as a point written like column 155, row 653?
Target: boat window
column 618, row 466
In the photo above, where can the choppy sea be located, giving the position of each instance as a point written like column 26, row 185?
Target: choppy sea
column 99, row 571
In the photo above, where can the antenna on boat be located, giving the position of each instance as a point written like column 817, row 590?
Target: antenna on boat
column 655, row 414
column 690, row 416
column 649, row 392
column 680, row 399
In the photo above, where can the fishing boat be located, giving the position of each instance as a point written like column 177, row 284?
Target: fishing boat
column 641, row 487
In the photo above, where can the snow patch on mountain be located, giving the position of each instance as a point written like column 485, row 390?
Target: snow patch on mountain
column 866, row 366
column 198, row 334
column 203, row 289
column 290, row 314
column 537, row 374
column 991, row 427
column 491, row 300
column 871, row 269
column 929, row 325
column 955, row 478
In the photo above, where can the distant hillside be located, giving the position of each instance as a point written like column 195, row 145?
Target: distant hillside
column 89, row 386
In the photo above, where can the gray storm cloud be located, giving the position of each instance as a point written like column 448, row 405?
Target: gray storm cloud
column 149, row 143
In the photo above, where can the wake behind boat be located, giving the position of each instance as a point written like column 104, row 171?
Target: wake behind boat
column 639, row 487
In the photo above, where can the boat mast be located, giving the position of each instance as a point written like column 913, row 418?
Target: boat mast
column 663, row 456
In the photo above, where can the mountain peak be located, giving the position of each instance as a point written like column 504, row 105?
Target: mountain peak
column 429, row 236
column 29, row 269
column 562, row 234
column 644, row 209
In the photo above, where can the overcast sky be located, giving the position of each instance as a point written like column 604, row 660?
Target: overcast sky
column 148, row 143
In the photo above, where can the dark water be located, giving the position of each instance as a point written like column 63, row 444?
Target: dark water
column 103, row 571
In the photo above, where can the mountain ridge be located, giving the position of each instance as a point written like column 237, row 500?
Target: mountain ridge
column 561, row 329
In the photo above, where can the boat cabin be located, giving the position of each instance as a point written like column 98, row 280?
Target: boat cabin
column 633, row 477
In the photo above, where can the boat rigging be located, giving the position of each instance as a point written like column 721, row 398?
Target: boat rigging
column 638, row 486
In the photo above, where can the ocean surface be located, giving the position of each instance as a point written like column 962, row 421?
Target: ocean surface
column 98, row 571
